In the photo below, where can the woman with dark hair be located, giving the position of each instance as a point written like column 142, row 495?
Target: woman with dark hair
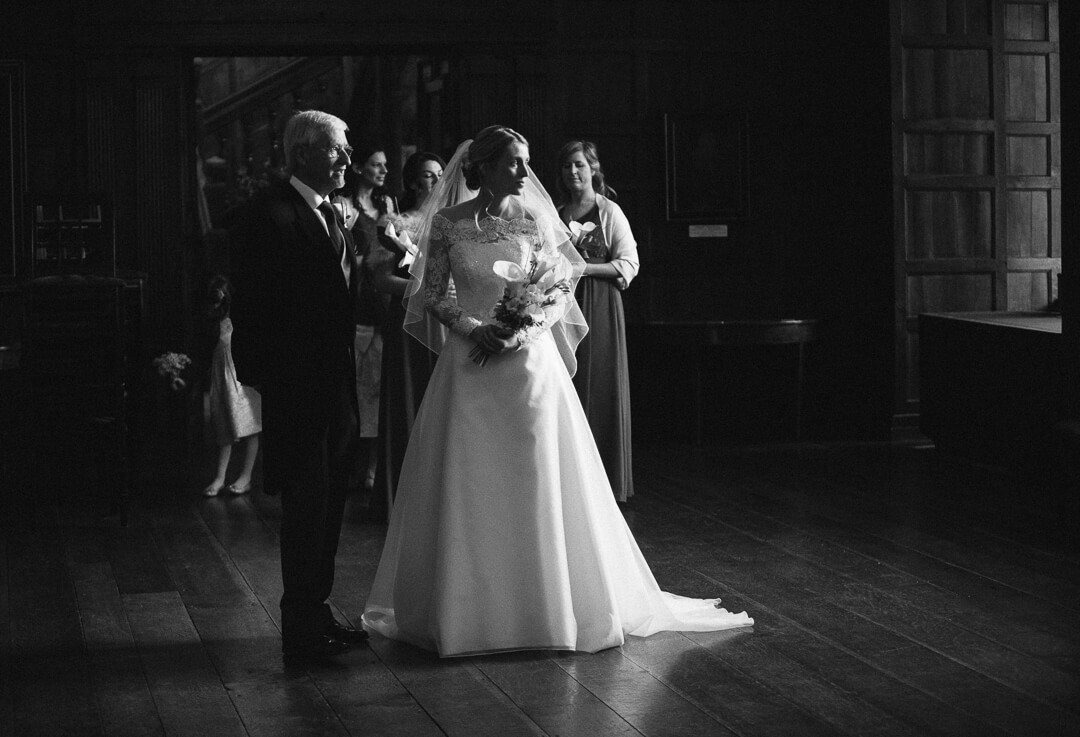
column 407, row 363
column 419, row 176
column 364, row 198
column 602, row 235
column 366, row 207
column 505, row 534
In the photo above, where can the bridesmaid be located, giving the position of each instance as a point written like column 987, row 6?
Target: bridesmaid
column 602, row 235
column 407, row 363
column 366, row 207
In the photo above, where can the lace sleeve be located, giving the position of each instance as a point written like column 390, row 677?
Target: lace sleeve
column 437, row 297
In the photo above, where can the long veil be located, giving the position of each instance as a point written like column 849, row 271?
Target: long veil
column 568, row 328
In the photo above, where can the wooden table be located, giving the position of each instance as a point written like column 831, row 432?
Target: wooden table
column 991, row 384
column 701, row 334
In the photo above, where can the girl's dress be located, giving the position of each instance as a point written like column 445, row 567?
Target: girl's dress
column 603, row 376
column 235, row 410
column 505, row 534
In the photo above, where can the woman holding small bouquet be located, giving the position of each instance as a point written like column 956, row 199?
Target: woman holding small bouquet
column 602, row 235
column 367, row 207
column 406, row 364
column 505, row 534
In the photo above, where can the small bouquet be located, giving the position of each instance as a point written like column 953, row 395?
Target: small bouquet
column 169, row 366
column 578, row 231
column 526, row 294
column 403, row 239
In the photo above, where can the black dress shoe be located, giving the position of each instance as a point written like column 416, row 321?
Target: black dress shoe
column 347, row 634
column 322, row 647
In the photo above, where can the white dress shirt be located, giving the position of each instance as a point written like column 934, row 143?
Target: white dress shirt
column 314, row 199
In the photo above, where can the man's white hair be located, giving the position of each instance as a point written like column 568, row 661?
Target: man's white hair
column 308, row 128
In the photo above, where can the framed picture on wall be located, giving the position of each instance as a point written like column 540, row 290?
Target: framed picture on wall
column 706, row 167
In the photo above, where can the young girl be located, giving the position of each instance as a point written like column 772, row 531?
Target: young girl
column 234, row 411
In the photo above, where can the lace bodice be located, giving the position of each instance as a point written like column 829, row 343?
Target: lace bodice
column 466, row 250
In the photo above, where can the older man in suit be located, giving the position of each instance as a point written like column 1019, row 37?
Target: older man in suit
column 295, row 277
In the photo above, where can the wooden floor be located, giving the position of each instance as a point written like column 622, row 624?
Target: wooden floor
column 894, row 594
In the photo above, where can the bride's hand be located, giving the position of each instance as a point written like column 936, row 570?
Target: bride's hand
column 494, row 339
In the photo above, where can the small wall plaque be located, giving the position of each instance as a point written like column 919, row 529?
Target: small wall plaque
column 708, row 231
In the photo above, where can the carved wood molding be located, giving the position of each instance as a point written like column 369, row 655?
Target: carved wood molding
column 261, row 92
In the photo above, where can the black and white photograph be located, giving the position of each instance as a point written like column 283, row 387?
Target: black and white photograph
column 651, row 368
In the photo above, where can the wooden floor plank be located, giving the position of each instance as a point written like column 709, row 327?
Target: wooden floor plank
column 7, row 652
column 550, row 698
column 200, row 569
column 887, row 511
column 804, row 593
column 736, row 700
column 285, row 708
column 454, row 691
column 242, row 641
column 123, row 697
column 362, row 693
column 847, row 713
column 369, row 699
column 1000, row 611
column 190, row 697
column 238, row 527
column 850, row 674
column 888, row 602
column 647, row 704
column 832, row 663
column 901, row 482
column 250, row 545
column 136, row 560
column 50, row 673
column 851, row 554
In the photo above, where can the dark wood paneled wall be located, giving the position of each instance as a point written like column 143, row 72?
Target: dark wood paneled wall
column 109, row 101
column 976, row 165
column 1069, row 31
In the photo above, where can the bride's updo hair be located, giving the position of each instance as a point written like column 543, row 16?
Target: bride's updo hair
column 488, row 146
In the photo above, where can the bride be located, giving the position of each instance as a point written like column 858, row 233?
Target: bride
column 505, row 534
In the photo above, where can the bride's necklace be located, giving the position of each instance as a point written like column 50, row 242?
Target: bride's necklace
column 494, row 216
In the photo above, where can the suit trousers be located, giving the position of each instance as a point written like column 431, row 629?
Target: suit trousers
column 314, row 444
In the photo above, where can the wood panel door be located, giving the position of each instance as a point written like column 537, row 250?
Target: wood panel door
column 976, row 164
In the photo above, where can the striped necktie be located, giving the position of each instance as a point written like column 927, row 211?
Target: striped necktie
column 332, row 227
column 336, row 238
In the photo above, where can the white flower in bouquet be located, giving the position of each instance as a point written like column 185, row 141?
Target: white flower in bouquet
column 527, row 293
column 578, row 231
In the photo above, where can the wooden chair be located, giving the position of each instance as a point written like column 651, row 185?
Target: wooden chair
column 75, row 371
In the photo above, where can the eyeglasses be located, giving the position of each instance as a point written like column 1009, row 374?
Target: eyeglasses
column 338, row 150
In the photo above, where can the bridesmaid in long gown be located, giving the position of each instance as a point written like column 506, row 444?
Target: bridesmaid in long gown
column 366, row 207
column 407, row 363
column 505, row 534
column 601, row 234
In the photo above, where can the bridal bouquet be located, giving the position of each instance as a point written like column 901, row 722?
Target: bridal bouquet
column 527, row 292
column 169, row 366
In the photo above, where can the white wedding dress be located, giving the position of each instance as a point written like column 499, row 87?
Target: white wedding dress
column 505, row 534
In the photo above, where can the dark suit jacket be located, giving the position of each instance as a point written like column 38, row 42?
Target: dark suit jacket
column 292, row 311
